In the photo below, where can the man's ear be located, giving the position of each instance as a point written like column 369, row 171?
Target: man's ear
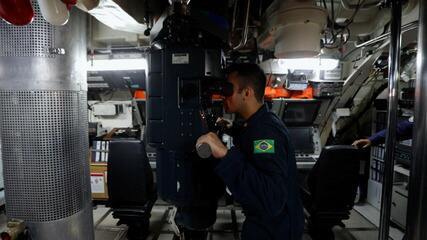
column 249, row 91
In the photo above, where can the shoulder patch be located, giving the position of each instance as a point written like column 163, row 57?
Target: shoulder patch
column 264, row 146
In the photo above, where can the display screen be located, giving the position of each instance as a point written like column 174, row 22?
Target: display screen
column 300, row 113
column 302, row 139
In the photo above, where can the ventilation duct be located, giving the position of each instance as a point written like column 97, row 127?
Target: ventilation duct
column 115, row 14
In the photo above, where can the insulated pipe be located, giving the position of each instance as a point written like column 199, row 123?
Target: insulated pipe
column 393, row 78
column 416, row 227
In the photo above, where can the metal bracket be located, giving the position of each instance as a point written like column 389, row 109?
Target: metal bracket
column 174, row 226
column 57, row 51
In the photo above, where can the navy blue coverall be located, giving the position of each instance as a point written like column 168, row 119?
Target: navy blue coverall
column 403, row 132
column 260, row 171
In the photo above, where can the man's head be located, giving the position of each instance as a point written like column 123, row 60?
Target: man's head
column 248, row 87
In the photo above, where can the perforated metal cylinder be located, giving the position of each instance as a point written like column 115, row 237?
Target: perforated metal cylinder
column 43, row 127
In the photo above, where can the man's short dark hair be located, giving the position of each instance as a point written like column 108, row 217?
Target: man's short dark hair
column 249, row 74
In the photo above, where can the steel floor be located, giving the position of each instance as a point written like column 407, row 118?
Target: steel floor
column 357, row 227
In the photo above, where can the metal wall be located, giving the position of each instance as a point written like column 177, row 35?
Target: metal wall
column 43, row 127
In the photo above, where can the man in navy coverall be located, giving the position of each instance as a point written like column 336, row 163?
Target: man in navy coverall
column 403, row 132
column 260, row 170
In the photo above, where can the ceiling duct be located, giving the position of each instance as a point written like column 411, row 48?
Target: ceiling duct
column 120, row 15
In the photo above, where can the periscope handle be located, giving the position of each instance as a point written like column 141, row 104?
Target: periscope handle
column 204, row 150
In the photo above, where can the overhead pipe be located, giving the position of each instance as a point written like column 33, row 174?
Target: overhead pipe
column 405, row 28
column 393, row 78
column 233, row 21
column 382, row 17
column 346, row 5
column 244, row 38
column 416, row 227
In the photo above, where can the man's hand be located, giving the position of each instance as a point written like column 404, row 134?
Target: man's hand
column 362, row 143
column 223, row 123
column 217, row 147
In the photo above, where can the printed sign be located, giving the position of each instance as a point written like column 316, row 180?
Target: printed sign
column 97, row 182
column 180, row 58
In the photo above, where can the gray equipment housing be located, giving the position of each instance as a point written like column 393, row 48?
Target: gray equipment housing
column 43, row 127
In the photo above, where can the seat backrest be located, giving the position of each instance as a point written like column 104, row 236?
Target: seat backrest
column 130, row 178
column 333, row 180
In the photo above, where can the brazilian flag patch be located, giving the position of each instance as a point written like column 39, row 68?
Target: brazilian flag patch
column 264, row 146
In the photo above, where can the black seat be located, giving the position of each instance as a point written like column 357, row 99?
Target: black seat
column 130, row 186
column 331, row 189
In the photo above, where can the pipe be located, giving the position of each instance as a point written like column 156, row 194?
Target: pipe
column 416, row 227
column 393, row 78
column 244, row 38
column 374, row 24
column 171, row 2
column 405, row 28
column 347, row 6
column 233, row 22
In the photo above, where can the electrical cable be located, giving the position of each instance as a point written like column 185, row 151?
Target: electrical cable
column 343, row 28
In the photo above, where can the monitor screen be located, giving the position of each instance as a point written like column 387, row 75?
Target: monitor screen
column 300, row 113
column 302, row 139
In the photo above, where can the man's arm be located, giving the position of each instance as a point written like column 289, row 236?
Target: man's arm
column 403, row 132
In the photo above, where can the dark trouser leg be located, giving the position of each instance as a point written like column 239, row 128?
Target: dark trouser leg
column 320, row 231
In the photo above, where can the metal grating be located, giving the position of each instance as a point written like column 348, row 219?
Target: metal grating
column 44, row 152
column 32, row 40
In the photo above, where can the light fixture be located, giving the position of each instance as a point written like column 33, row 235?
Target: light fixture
column 308, row 63
column 117, row 64
column 54, row 12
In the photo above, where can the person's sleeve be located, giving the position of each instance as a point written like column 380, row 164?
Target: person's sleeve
column 403, row 132
column 260, row 184
column 378, row 138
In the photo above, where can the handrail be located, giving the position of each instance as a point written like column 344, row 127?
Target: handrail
column 393, row 79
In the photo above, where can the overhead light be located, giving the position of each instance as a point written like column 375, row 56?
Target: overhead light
column 117, row 64
column 309, row 63
column 54, row 12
